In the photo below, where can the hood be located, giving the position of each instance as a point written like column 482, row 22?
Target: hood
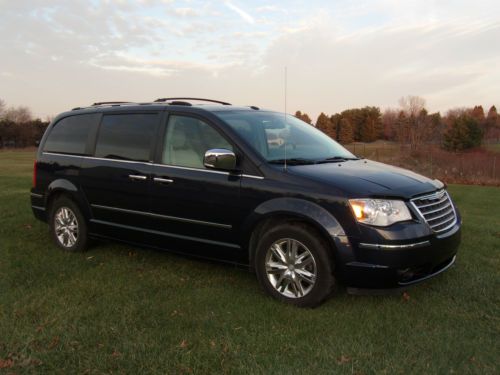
column 367, row 178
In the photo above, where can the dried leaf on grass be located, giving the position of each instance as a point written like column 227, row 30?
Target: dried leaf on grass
column 343, row 359
column 54, row 342
column 6, row 363
column 406, row 297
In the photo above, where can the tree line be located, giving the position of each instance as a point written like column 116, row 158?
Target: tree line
column 411, row 124
column 18, row 127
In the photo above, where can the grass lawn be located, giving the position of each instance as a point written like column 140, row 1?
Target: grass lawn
column 120, row 309
column 494, row 147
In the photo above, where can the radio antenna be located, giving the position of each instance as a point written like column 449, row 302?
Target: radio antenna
column 285, row 117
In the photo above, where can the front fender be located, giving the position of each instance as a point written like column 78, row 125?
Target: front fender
column 308, row 211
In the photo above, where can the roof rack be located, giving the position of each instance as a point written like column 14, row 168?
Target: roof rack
column 108, row 103
column 161, row 100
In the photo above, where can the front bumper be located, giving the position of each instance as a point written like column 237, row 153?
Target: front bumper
column 400, row 265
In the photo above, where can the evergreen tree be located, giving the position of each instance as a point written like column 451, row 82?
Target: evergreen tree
column 478, row 113
column 324, row 124
column 304, row 117
column 335, row 121
column 370, row 126
column 464, row 133
column 492, row 119
column 346, row 133
column 402, row 127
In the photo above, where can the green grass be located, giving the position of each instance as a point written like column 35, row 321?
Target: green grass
column 494, row 147
column 119, row 309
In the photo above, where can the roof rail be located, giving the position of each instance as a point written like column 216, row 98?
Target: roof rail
column 108, row 103
column 161, row 100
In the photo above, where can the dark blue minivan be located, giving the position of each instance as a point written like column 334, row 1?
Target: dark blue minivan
column 242, row 185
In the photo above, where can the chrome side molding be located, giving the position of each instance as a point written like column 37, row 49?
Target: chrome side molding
column 165, row 217
column 394, row 247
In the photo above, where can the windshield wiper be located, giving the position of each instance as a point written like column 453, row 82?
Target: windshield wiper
column 334, row 159
column 292, row 161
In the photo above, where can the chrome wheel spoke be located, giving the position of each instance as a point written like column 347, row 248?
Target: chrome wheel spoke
column 304, row 258
column 71, row 238
column 307, row 276
column 284, row 285
column 280, row 280
column 278, row 252
column 273, row 267
column 65, row 237
column 72, row 227
column 301, row 288
column 298, row 288
column 292, row 250
column 275, row 271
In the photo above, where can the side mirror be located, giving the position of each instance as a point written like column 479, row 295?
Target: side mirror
column 219, row 158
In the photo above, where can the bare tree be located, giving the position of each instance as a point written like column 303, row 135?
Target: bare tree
column 19, row 115
column 2, row 107
column 412, row 105
column 389, row 122
column 414, row 109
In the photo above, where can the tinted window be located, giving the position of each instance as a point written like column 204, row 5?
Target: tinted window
column 188, row 139
column 70, row 134
column 126, row 137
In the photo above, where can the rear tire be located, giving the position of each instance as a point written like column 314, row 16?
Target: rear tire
column 67, row 225
column 294, row 265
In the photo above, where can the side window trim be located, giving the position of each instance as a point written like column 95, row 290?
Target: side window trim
column 160, row 137
column 92, row 138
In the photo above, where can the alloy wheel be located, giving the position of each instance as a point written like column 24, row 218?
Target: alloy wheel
column 66, row 227
column 291, row 268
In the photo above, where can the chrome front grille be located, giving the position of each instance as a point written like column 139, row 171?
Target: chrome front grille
column 437, row 210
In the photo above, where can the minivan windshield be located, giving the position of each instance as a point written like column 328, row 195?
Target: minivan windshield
column 277, row 137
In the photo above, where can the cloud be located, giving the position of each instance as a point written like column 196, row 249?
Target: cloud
column 339, row 54
column 328, row 71
column 185, row 12
column 244, row 15
column 270, row 9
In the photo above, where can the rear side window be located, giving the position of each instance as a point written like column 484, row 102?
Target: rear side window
column 69, row 135
column 126, row 136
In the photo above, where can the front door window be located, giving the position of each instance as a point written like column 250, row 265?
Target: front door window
column 188, row 139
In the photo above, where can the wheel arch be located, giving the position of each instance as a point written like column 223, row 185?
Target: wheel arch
column 293, row 209
column 65, row 187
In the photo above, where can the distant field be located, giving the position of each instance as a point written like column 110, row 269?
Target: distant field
column 120, row 309
column 477, row 167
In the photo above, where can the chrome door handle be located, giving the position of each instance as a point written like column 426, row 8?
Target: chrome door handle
column 163, row 180
column 137, row 177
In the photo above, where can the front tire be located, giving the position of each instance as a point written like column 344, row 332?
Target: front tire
column 67, row 225
column 294, row 265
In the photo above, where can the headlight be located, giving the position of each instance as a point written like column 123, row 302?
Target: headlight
column 379, row 212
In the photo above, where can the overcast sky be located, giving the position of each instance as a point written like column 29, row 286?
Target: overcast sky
column 55, row 55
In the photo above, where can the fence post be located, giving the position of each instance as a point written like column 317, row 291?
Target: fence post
column 430, row 154
column 494, row 166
